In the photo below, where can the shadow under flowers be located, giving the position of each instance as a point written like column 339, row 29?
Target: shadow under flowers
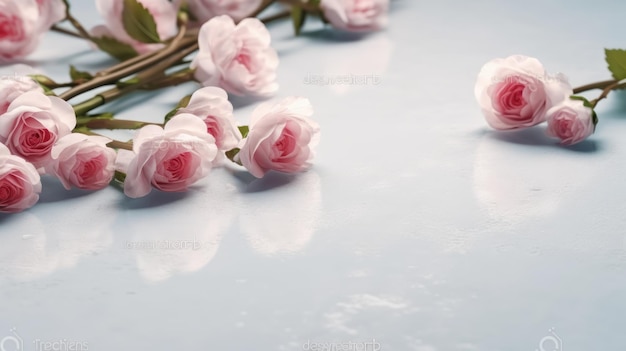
column 536, row 137
column 272, row 180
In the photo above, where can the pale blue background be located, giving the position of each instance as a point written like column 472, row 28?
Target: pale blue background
column 418, row 227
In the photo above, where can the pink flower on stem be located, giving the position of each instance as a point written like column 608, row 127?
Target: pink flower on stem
column 11, row 88
column 20, row 183
column 32, row 125
column 170, row 159
column 204, row 10
column 516, row 92
column 164, row 13
column 212, row 106
column 19, row 28
column 571, row 121
column 281, row 138
column 82, row 161
column 236, row 57
column 356, row 15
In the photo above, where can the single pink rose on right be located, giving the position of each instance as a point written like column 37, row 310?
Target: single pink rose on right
column 571, row 121
column 516, row 92
column 281, row 138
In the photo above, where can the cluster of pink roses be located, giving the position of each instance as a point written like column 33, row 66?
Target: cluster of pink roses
column 517, row 92
column 42, row 134
column 36, row 138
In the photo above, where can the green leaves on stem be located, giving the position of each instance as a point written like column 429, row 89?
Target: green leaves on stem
column 139, row 23
column 616, row 60
column 115, row 48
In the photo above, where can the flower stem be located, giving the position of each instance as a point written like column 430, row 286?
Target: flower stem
column 310, row 8
column 111, row 124
column 116, row 144
column 75, row 23
column 597, row 85
column 61, row 30
column 607, row 90
column 124, row 70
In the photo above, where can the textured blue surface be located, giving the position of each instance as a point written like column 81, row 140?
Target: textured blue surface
column 418, row 228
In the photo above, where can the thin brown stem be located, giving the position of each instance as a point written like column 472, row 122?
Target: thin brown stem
column 597, row 85
column 61, row 30
column 607, row 90
column 127, row 70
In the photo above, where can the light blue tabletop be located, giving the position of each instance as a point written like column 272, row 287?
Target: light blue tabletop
column 418, row 228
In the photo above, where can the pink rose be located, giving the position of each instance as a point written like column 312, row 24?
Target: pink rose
column 516, row 92
column 19, row 28
column 204, row 10
column 281, row 138
column 164, row 13
column 212, row 106
column 50, row 12
column 356, row 15
column 82, row 161
column 32, row 125
column 237, row 58
column 171, row 158
column 571, row 121
column 13, row 87
column 20, row 183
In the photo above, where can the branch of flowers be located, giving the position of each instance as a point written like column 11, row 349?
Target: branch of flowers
column 171, row 80
column 597, row 85
column 61, row 30
column 115, row 73
column 116, row 144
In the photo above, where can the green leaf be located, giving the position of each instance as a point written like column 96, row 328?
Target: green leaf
column 298, row 16
column 617, row 62
column 244, row 130
column 139, row 23
column 115, row 48
column 231, row 155
column 182, row 103
column 79, row 76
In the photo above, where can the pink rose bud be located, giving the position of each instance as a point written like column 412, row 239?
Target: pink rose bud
column 204, row 10
column 281, row 138
column 164, row 13
column 237, row 58
column 356, row 15
column 13, row 87
column 50, row 12
column 32, row 125
column 20, row 183
column 571, row 121
column 171, row 158
column 212, row 106
column 19, row 28
column 516, row 92
column 82, row 161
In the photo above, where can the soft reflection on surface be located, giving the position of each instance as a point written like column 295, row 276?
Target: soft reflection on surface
column 284, row 219
column 517, row 182
column 346, row 313
column 167, row 244
column 31, row 250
